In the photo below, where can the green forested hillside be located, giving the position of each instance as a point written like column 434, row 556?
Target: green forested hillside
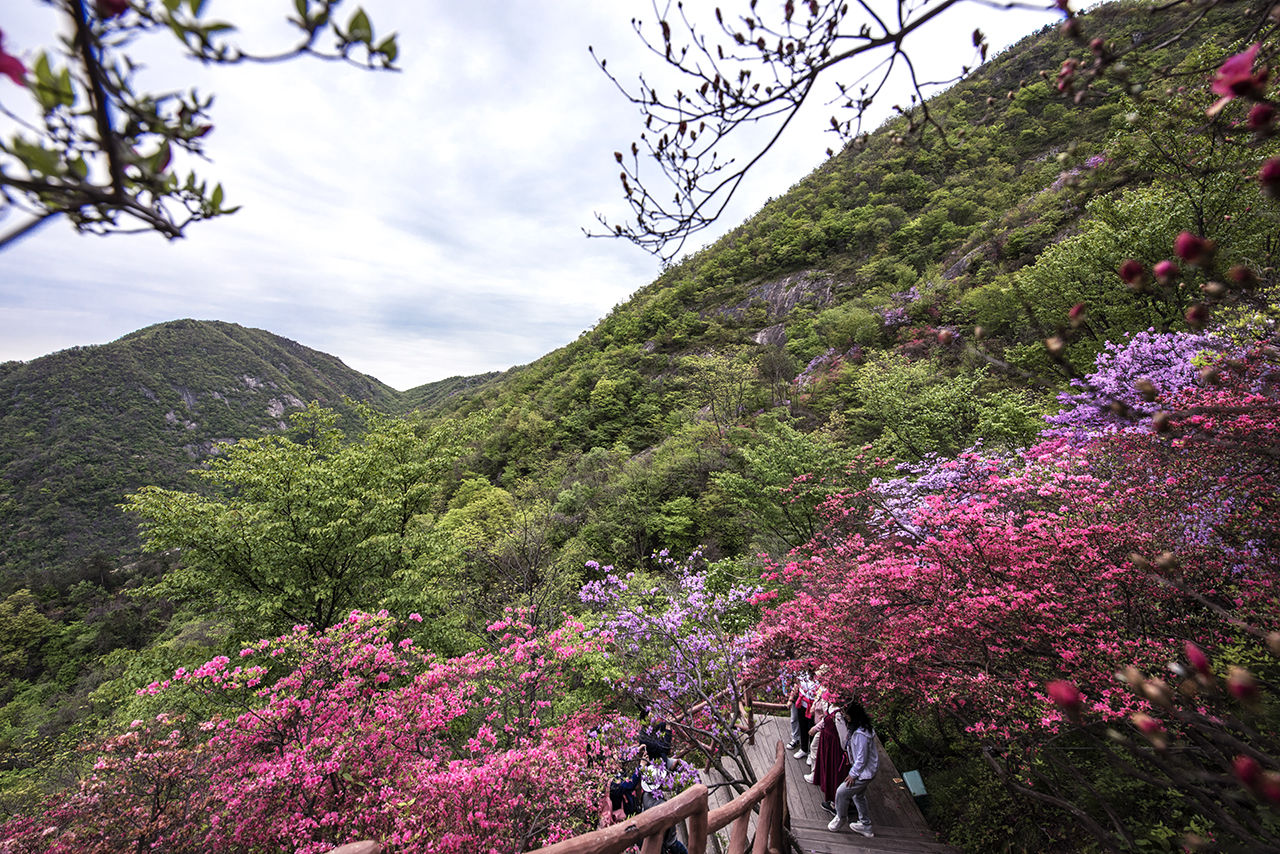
column 898, row 298
column 85, row 426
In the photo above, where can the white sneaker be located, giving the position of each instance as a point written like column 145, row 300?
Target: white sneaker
column 836, row 825
column 808, row 778
column 799, row 754
column 810, row 761
column 793, row 744
column 861, row 827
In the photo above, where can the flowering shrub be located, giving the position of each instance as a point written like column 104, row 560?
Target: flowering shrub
column 679, row 645
column 1134, row 374
column 349, row 734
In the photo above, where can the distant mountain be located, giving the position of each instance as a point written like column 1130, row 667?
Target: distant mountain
column 82, row 427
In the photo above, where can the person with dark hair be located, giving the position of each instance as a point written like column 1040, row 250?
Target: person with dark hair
column 831, row 765
column 801, row 697
column 864, row 762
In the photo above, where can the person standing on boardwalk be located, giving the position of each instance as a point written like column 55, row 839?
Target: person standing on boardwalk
column 831, row 764
column 864, row 762
column 800, row 698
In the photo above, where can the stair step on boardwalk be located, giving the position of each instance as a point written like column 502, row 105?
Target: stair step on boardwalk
column 816, row 838
column 899, row 826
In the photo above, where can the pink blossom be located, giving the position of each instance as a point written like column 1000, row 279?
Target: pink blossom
column 1269, row 177
column 11, row 66
column 1165, row 272
column 1132, row 272
column 1190, row 248
column 112, row 8
column 1236, row 76
column 1261, row 116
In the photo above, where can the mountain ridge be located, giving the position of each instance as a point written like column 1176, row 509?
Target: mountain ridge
column 140, row 410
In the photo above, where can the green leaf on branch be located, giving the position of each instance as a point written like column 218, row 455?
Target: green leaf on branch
column 359, row 29
column 388, row 48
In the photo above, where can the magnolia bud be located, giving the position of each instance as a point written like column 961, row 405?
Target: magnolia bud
column 1271, row 787
column 1197, row 315
column 1166, row 561
column 1158, row 693
column 1160, row 422
column 1146, row 388
column 1213, row 290
column 1067, row 697
column 1269, row 177
column 1132, row 273
column 1273, row 643
column 1132, row 677
column 1165, row 272
column 1152, row 729
column 1055, row 345
column 1247, row 771
column 1242, row 685
column 1242, row 276
column 945, row 337
column 1196, row 657
column 1191, row 248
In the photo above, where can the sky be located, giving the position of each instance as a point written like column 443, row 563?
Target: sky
column 417, row 225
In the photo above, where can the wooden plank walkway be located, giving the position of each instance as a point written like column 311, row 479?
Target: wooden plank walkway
column 898, row 824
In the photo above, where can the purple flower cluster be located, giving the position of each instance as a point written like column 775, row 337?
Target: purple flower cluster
column 1165, row 359
column 816, row 365
column 895, row 316
column 898, row 499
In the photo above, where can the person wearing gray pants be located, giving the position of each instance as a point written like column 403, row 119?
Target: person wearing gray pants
column 864, row 762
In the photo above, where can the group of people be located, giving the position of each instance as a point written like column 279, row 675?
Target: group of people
column 839, row 743
column 646, row 775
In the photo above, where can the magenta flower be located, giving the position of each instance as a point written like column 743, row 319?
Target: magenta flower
column 112, row 8
column 11, row 66
column 1190, row 248
column 1269, row 177
column 1066, row 696
column 1261, row 116
column 1132, row 272
column 1165, row 272
column 1236, row 76
column 1247, row 770
column 1198, row 659
column 1242, row 685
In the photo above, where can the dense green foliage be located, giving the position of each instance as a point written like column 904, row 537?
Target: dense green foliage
column 820, row 344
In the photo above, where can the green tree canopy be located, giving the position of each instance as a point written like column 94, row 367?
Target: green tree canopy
column 300, row 529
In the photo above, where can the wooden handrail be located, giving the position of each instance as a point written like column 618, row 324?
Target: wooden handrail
column 649, row 828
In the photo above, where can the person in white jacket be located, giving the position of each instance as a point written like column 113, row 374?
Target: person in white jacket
column 864, row 762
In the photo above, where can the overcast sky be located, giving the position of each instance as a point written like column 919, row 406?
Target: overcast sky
column 416, row 225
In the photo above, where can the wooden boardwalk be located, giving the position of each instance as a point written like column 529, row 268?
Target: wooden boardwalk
column 898, row 824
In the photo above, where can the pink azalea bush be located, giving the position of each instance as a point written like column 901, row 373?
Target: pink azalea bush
column 322, row 739
column 1090, row 553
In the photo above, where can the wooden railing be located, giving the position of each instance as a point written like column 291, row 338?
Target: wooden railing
column 649, row 828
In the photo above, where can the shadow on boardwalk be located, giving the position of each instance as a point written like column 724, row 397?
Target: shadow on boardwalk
column 899, row 826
